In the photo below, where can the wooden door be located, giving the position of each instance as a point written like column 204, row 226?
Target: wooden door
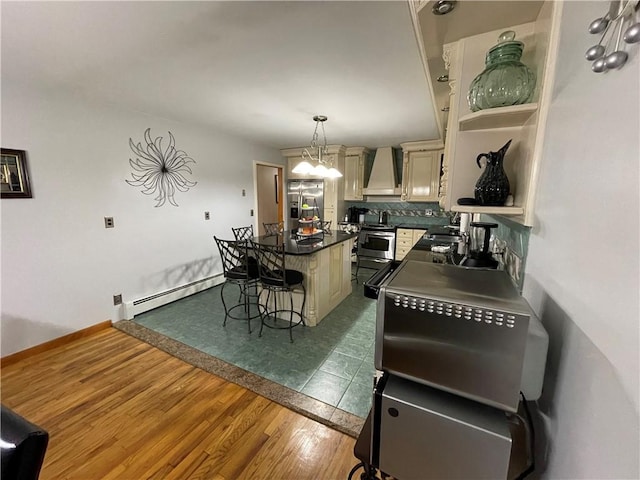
column 269, row 196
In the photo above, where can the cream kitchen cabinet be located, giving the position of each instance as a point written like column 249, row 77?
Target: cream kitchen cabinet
column 354, row 172
column 333, row 192
column 421, row 171
column 471, row 133
column 291, row 164
column 406, row 238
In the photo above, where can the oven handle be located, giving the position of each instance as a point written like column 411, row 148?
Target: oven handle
column 378, row 234
column 372, row 285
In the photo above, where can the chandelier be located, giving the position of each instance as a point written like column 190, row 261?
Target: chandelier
column 315, row 159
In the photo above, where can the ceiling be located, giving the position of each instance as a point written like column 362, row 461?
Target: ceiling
column 260, row 70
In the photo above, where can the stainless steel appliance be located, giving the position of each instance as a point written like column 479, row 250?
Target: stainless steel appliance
column 457, row 346
column 458, row 329
column 451, row 437
column 376, row 244
column 479, row 255
column 304, row 192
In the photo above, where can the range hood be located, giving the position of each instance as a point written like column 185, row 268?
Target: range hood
column 383, row 174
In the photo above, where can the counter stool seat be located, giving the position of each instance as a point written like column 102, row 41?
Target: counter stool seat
column 241, row 272
column 290, row 277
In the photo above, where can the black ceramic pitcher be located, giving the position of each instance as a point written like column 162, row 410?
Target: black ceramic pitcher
column 492, row 188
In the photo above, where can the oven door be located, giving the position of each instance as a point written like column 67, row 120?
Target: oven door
column 376, row 244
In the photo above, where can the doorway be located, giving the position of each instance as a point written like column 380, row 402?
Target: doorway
column 269, row 196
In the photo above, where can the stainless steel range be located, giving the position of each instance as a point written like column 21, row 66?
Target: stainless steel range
column 376, row 243
column 457, row 346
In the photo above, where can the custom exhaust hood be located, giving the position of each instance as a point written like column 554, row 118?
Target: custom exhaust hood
column 383, row 174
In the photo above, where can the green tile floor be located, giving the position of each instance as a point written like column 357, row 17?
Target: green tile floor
column 332, row 362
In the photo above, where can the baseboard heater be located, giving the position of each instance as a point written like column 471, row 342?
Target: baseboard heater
column 135, row 307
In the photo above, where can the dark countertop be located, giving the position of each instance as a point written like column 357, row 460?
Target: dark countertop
column 421, row 251
column 411, row 226
column 294, row 245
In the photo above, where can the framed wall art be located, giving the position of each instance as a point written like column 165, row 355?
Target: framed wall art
column 14, row 175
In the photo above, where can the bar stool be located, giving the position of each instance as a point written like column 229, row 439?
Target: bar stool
column 354, row 251
column 271, row 229
column 243, row 233
column 240, row 270
column 276, row 279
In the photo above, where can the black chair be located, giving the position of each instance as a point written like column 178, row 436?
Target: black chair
column 23, row 447
column 271, row 229
column 276, row 279
column 243, row 233
column 242, row 270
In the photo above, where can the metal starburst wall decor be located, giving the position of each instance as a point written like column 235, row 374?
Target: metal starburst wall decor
column 161, row 173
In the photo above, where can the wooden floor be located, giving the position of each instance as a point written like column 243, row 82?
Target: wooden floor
column 117, row 408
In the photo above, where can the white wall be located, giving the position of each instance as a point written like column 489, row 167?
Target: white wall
column 583, row 262
column 60, row 266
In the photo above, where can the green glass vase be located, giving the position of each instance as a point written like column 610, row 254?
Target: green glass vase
column 505, row 80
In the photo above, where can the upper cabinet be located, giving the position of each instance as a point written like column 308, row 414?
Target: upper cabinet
column 421, row 171
column 354, row 161
column 469, row 134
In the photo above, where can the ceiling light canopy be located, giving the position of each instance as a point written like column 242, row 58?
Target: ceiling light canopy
column 315, row 159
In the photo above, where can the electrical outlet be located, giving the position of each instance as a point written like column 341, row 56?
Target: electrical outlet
column 244, row 192
column 207, row 216
column 108, row 222
column 117, row 299
column 252, row 212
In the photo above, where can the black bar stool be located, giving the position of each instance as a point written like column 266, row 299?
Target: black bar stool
column 275, row 279
column 242, row 270
column 243, row 233
column 273, row 228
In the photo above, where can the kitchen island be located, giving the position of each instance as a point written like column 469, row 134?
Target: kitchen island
column 325, row 262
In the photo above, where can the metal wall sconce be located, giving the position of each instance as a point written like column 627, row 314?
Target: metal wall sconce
column 621, row 13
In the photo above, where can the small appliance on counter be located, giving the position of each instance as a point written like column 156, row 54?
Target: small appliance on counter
column 383, row 218
column 356, row 215
column 480, row 255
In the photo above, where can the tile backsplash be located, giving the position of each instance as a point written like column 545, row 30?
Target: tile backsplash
column 405, row 213
column 515, row 238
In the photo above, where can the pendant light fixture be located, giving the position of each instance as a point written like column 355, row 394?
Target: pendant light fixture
column 315, row 159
